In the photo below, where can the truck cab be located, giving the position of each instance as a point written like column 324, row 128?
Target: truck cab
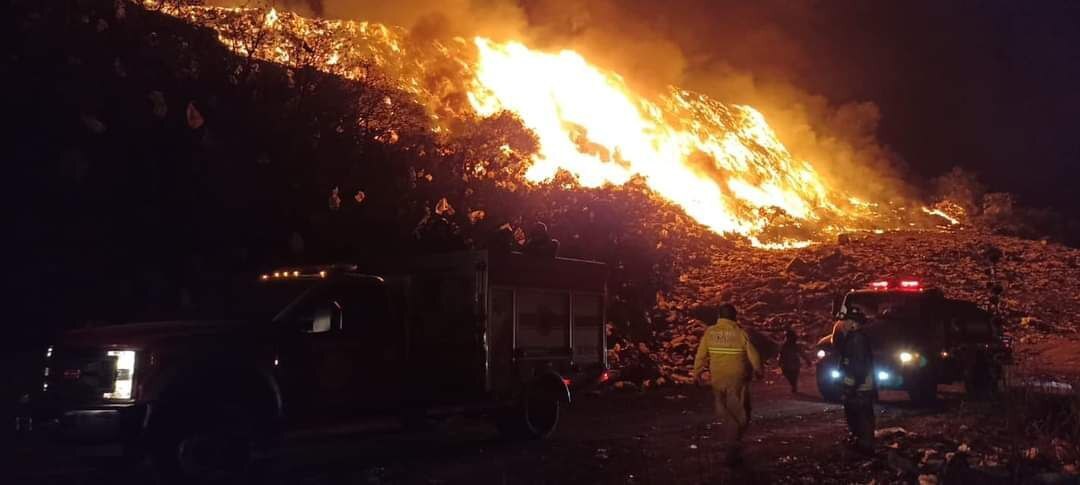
column 505, row 336
column 920, row 339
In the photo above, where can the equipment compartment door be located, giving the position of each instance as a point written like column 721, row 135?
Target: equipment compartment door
column 446, row 353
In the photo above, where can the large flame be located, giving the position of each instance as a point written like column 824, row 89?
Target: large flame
column 722, row 164
column 592, row 125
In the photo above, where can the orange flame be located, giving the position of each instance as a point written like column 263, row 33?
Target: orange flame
column 722, row 164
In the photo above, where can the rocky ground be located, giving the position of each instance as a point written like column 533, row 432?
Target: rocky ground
column 666, row 435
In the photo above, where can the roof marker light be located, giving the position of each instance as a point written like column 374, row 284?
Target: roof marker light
column 909, row 284
column 880, row 284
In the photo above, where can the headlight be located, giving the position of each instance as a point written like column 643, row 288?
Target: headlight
column 835, row 374
column 125, row 374
column 821, row 354
column 906, row 357
column 882, row 375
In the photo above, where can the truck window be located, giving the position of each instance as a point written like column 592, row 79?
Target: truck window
column 364, row 305
column 316, row 317
column 587, row 328
column 886, row 305
column 543, row 322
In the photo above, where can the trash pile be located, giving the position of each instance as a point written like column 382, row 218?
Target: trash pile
column 968, row 448
column 777, row 290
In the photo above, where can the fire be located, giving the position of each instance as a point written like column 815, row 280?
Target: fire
column 720, row 163
column 570, row 103
column 953, row 221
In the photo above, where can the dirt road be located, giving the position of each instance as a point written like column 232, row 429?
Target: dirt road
column 662, row 436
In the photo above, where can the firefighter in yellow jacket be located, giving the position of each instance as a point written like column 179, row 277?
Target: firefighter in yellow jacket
column 725, row 350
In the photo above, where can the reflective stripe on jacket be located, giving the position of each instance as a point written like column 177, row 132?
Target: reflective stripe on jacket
column 728, row 353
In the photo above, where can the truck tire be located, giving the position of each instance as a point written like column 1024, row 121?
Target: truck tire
column 206, row 446
column 532, row 418
column 830, row 392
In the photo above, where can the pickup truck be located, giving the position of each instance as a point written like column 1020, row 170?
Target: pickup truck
column 921, row 339
column 507, row 336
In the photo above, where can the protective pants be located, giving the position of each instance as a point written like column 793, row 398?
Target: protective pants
column 731, row 396
column 859, row 411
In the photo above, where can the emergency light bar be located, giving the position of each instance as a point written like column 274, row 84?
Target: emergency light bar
column 904, row 285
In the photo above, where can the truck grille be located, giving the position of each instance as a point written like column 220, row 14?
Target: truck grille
column 80, row 376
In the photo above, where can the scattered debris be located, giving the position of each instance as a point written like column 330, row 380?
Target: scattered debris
column 335, row 199
column 194, row 117
column 93, row 125
column 887, row 432
column 443, row 208
column 160, row 108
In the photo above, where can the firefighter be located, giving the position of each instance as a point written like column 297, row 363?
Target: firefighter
column 726, row 351
column 791, row 359
column 856, row 364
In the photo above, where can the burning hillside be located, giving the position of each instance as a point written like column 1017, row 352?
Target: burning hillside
column 722, row 164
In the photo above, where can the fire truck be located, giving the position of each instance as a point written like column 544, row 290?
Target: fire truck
column 920, row 339
column 508, row 337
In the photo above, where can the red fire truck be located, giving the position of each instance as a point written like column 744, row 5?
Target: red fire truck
column 506, row 336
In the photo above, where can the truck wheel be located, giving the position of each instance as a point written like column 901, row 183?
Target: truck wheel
column 830, row 392
column 208, row 447
column 531, row 419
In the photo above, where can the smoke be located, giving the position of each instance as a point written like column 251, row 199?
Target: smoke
column 775, row 55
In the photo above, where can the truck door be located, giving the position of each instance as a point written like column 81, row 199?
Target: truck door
column 309, row 360
column 336, row 356
column 372, row 344
column 445, row 338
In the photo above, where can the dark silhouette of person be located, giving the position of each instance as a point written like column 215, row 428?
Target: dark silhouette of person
column 540, row 243
column 791, row 359
column 856, row 363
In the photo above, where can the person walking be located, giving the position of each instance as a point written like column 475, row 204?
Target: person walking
column 791, row 359
column 726, row 352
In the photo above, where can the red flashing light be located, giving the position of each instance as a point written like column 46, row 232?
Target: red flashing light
column 880, row 284
column 605, row 376
column 909, row 284
column 567, row 381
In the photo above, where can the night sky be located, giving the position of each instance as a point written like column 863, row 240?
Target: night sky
column 993, row 86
